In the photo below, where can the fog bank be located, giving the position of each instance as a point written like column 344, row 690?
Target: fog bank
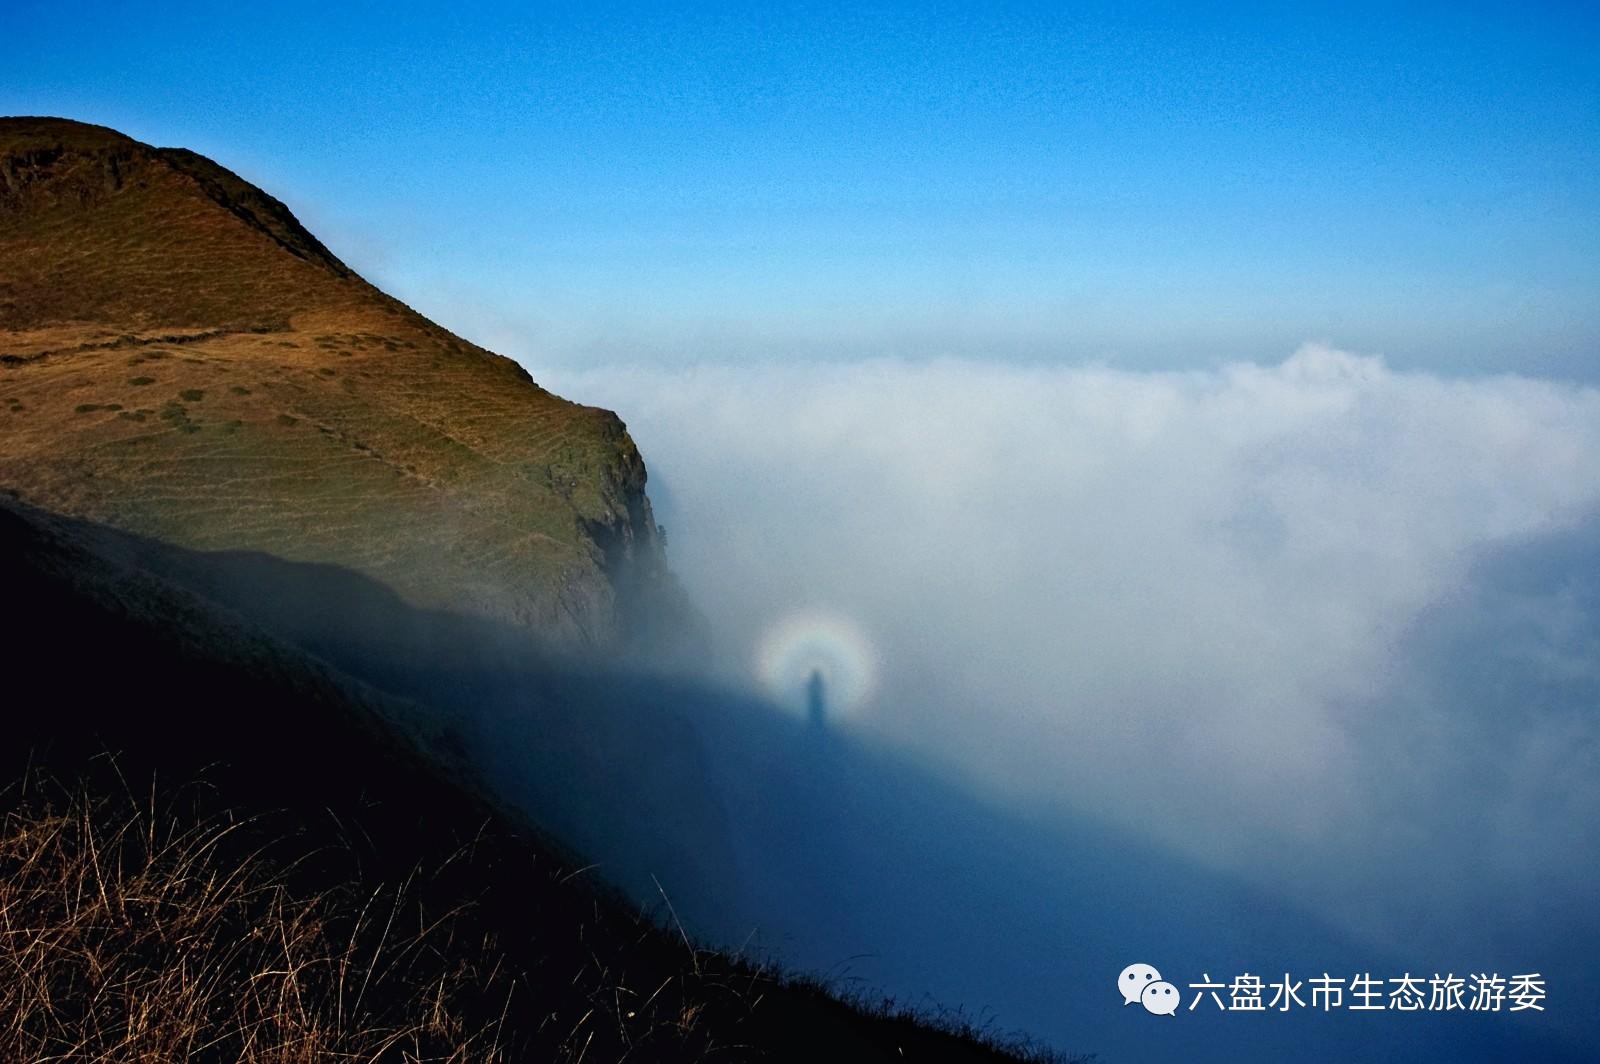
column 1228, row 611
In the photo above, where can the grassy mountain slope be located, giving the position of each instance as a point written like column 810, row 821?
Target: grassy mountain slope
column 240, row 490
column 180, row 358
column 256, row 790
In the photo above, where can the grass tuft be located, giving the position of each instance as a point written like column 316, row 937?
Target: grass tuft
column 134, row 933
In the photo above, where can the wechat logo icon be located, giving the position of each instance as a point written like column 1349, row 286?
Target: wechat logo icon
column 1141, row 984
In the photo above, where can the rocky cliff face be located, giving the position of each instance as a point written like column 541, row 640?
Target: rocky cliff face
column 180, row 358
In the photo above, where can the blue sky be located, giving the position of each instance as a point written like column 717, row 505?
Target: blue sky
column 1148, row 187
column 1263, row 594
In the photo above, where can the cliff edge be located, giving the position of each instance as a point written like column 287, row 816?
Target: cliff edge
column 182, row 359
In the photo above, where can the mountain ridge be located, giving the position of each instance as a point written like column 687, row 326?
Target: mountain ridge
column 181, row 358
column 317, row 562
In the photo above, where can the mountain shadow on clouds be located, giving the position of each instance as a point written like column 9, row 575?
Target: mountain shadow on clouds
column 843, row 857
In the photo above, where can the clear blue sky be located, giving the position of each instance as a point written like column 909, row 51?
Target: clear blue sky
column 1149, row 186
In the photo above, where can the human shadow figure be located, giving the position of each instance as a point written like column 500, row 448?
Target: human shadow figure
column 848, row 853
column 817, row 702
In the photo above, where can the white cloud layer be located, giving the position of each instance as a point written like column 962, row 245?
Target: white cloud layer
column 1198, row 605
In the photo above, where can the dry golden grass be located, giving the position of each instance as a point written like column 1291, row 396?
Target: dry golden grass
column 140, row 932
column 133, row 934
column 179, row 358
column 331, row 887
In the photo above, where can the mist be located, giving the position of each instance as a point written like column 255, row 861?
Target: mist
column 1013, row 676
column 1321, row 630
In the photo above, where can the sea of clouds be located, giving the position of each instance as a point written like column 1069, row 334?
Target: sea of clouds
column 1323, row 625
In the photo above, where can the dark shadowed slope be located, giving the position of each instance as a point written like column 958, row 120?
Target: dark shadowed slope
column 188, row 376
column 358, row 793
column 846, row 858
